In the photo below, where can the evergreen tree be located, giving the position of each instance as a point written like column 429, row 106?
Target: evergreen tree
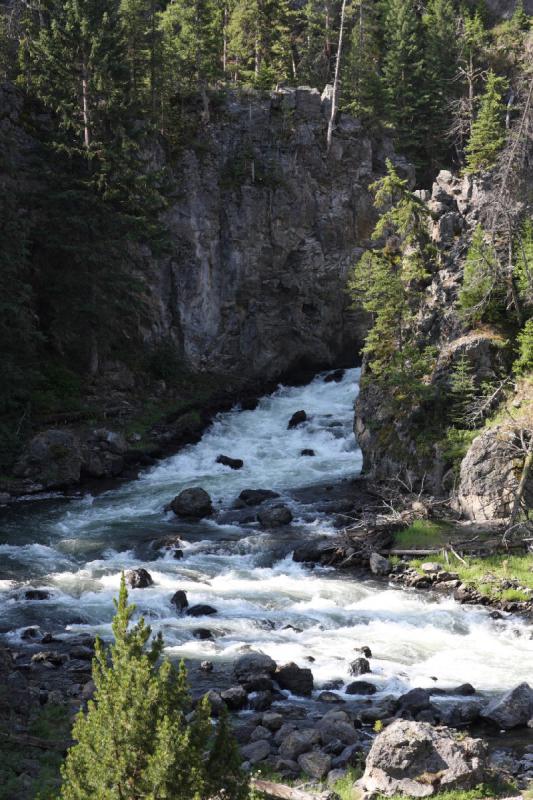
column 259, row 42
column 134, row 741
column 362, row 90
column 389, row 281
column 523, row 249
column 142, row 51
column 472, row 44
column 317, row 59
column 524, row 363
column 440, row 25
column 479, row 292
column 403, row 75
column 463, row 391
column 488, row 131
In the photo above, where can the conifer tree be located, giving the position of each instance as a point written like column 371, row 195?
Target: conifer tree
column 488, row 131
column 403, row 74
column 463, row 391
column 362, row 90
column 142, row 51
column 259, row 42
column 389, row 281
column 317, row 50
column 524, row 363
column 523, row 249
column 440, row 25
column 134, row 742
column 472, row 44
column 478, row 295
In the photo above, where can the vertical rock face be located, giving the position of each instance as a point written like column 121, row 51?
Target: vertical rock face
column 267, row 226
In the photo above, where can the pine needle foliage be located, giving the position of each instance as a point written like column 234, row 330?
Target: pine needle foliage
column 478, row 296
column 488, row 130
column 136, row 741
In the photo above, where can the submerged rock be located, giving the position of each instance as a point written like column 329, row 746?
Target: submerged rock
column 179, row 599
column 298, row 680
column 200, row 610
column 254, row 497
column 416, row 759
column 298, row 418
column 275, row 516
column 360, row 687
column 36, row 594
column 233, row 463
column 195, row 503
column 360, row 666
column 139, row 578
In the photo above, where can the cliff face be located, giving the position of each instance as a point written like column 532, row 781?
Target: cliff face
column 266, row 226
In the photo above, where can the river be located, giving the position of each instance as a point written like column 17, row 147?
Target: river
column 78, row 547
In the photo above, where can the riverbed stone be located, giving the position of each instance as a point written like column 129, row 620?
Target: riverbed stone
column 360, row 687
column 414, row 701
column 330, row 697
column 379, row 565
column 299, row 742
column 254, row 497
column 139, row 578
column 256, row 751
column 361, row 666
column 194, row 502
column 272, row 720
column 514, row 709
column 53, row 458
column 232, row 463
column 337, row 729
column 261, row 701
column 235, row 698
column 250, row 664
column 297, row 419
column 298, row 680
column 275, row 516
column 179, row 599
column 36, row 594
column 260, row 733
column 416, row 759
column 200, row 610
column 315, row 764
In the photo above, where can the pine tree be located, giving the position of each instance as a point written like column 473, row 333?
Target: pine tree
column 440, row 24
column 472, row 44
column 142, row 51
column 317, row 49
column 389, row 282
column 259, row 42
column 134, row 741
column 463, row 391
column 362, row 90
column 488, row 131
column 523, row 251
column 524, row 363
column 479, row 292
column 403, row 75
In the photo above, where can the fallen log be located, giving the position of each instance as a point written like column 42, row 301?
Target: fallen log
column 279, row 791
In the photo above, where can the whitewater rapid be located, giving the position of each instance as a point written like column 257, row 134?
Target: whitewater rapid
column 316, row 617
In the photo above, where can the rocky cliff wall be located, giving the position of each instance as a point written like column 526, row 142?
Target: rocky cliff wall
column 266, row 226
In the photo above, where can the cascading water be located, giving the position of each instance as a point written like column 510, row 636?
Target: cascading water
column 265, row 601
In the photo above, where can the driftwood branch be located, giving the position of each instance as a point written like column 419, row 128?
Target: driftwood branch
column 281, row 792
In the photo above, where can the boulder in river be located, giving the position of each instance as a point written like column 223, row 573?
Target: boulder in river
column 202, row 633
column 232, row 463
column 513, row 710
column 235, row 698
column 298, row 418
column 414, row 701
column 179, row 599
column 307, row 451
column 194, row 502
column 299, row 742
column 360, row 666
column 251, row 664
column 201, row 610
column 254, row 497
column 379, row 565
column 298, row 680
column 360, row 687
column 418, row 760
column 315, row 764
column 275, row 516
column 334, row 377
column 139, row 578
column 36, row 594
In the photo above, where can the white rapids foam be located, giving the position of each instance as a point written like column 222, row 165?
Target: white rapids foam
column 264, row 599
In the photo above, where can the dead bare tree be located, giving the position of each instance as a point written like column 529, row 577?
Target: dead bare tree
column 336, row 79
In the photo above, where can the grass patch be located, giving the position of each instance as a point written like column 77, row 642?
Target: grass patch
column 345, row 786
column 478, row 793
column 423, row 534
column 486, row 575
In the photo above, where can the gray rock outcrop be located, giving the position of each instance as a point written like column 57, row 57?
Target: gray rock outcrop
column 513, row 710
column 416, row 759
column 194, row 502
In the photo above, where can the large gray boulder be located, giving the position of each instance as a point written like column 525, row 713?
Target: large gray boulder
column 53, row 459
column 416, row 759
column 513, row 710
column 275, row 516
column 489, row 476
column 194, row 503
column 253, row 664
column 299, row 742
column 298, row 680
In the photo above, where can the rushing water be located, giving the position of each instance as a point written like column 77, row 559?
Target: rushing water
column 78, row 548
